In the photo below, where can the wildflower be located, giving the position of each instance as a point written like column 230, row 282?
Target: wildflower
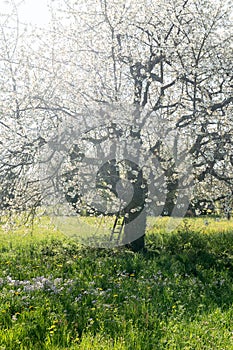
column 57, row 281
column 78, row 298
column 52, row 327
column 14, row 317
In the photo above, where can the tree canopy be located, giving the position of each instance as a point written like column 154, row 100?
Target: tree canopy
column 149, row 82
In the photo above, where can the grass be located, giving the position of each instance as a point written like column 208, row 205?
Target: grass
column 57, row 294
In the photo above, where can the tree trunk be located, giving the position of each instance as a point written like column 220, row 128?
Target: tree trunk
column 134, row 232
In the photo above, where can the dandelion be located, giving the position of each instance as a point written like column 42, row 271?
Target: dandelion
column 52, row 327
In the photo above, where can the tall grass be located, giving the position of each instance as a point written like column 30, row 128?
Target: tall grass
column 57, row 294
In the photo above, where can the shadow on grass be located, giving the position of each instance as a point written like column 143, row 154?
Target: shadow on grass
column 207, row 260
column 190, row 249
column 193, row 250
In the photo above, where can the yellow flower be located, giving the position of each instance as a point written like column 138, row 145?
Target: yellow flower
column 52, row 327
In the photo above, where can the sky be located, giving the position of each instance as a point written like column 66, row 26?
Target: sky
column 34, row 12
column 29, row 11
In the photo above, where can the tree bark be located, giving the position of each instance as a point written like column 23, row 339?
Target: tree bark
column 134, row 232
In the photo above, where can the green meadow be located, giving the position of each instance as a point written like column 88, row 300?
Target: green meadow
column 58, row 294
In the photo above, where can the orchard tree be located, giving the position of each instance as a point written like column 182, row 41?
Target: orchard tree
column 132, row 105
column 171, row 62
